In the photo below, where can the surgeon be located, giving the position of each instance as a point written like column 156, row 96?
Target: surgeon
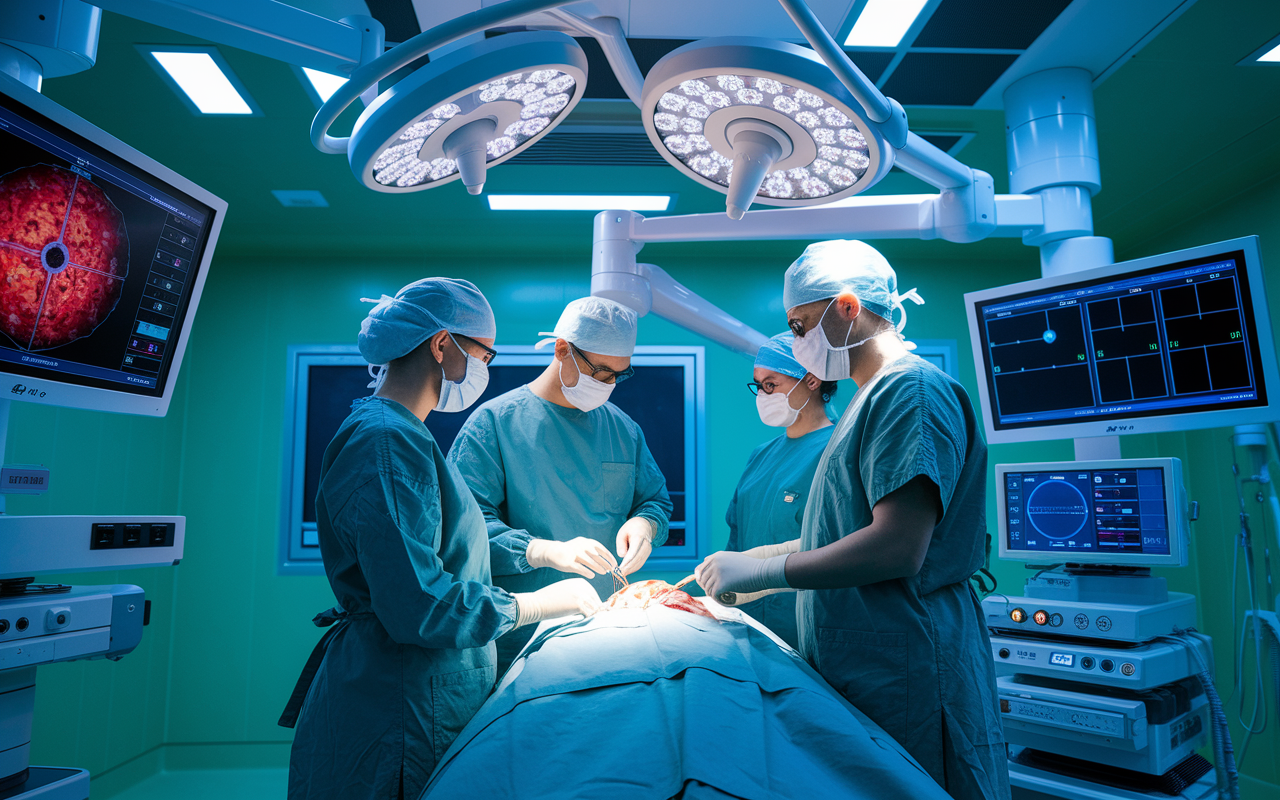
column 768, row 504
column 892, row 530
column 564, row 478
column 411, row 658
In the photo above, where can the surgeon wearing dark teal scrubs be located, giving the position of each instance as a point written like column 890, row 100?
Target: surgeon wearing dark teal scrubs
column 768, row 504
column 893, row 529
column 411, row 658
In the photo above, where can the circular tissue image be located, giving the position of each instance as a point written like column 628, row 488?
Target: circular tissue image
column 64, row 255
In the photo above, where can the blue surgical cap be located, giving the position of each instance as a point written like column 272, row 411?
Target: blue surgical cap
column 597, row 325
column 776, row 355
column 828, row 269
column 397, row 325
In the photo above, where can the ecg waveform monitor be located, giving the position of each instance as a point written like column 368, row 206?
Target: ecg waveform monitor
column 1123, row 344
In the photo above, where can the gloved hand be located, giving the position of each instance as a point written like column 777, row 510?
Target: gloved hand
column 635, row 544
column 581, row 556
column 771, row 550
column 560, row 599
column 739, row 573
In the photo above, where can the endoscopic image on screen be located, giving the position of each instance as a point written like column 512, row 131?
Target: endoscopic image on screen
column 98, row 267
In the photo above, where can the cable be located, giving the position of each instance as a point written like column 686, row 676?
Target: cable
column 1240, row 636
column 1223, row 753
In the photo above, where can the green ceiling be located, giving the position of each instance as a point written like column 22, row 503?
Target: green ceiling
column 1182, row 127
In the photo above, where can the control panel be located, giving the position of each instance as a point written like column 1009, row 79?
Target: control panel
column 31, row 546
column 85, row 622
column 1078, row 619
column 1141, row 667
column 107, row 535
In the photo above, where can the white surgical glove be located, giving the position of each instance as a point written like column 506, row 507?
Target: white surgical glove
column 560, row 599
column 635, row 543
column 725, row 573
column 581, row 556
column 771, row 550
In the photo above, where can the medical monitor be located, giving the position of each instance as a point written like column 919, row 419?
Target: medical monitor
column 1170, row 342
column 1120, row 512
column 104, row 254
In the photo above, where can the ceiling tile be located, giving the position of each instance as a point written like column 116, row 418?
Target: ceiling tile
column 601, row 82
column 397, row 16
column 945, row 79
column 989, row 24
column 871, row 62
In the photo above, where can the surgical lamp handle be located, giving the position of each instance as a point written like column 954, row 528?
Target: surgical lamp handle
column 406, row 53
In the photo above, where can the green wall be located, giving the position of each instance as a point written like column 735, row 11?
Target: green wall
column 229, row 635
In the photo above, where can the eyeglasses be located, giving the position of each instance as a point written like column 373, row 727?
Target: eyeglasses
column 611, row 375
column 489, row 353
column 756, row 388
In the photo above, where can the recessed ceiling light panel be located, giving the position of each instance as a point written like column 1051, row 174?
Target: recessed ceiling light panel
column 762, row 121
column 471, row 109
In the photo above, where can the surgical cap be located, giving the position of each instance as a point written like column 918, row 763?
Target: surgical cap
column 397, row 325
column 596, row 325
column 827, row 269
column 775, row 354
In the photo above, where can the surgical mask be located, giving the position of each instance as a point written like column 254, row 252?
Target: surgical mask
column 456, row 396
column 775, row 409
column 589, row 393
column 817, row 355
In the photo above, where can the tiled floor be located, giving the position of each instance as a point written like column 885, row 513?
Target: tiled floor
column 210, row 784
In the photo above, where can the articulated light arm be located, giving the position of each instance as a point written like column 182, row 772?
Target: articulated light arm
column 615, row 274
column 265, row 27
column 608, row 33
column 619, row 236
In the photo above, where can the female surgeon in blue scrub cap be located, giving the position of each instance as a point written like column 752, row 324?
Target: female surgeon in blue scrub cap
column 765, row 512
column 892, row 531
column 411, row 658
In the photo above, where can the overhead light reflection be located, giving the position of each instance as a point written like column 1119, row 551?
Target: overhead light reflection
column 578, row 202
column 883, row 23
column 324, row 83
column 203, row 81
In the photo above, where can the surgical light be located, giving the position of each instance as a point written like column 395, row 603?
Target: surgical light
column 762, row 121
column 470, row 109
column 883, row 23
column 202, row 81
column 578, row 202
column 324, row 83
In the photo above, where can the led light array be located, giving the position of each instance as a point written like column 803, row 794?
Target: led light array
column 842, row 152
column 542, row 94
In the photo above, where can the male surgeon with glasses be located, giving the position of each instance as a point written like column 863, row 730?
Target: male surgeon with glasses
column 564, row 478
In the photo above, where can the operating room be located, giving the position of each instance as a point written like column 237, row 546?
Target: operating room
column 1037, row 161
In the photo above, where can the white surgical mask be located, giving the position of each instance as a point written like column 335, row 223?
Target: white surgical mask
column 589, row 393
column 775, row 409
column 456, row 396
column 820, row 357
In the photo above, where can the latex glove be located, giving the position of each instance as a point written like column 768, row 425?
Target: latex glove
column 771, row 550
column 583, row 556
column 740, row 599
column 635, row 544
column 560, row 599
column 724, row 573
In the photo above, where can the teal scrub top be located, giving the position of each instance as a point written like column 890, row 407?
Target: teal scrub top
column 542, row 470
column 911, row 653
column 767, row 508
column 405, row 550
